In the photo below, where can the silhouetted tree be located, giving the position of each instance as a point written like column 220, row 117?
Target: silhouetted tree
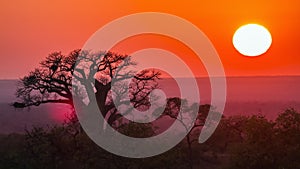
column 174, row 106
column 52, row 81
column 287, row 129
column 268, row 144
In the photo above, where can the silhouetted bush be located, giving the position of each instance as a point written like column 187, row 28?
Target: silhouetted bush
column 267, row 144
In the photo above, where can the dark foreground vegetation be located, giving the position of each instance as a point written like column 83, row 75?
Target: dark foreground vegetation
column 239, row 142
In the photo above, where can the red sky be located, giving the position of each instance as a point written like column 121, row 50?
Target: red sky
column 31, row 29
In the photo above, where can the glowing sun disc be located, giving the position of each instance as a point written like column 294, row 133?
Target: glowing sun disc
column 252, row 40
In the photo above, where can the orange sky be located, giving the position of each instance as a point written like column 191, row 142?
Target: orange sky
column 30, row 29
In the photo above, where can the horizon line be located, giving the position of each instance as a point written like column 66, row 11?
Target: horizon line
column 230, row 76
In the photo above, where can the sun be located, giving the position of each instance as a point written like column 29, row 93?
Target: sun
column 252, row 40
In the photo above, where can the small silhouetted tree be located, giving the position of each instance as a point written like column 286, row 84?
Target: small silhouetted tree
column 174, row 106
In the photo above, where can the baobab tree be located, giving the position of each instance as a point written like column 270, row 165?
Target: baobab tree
column 52, row 81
